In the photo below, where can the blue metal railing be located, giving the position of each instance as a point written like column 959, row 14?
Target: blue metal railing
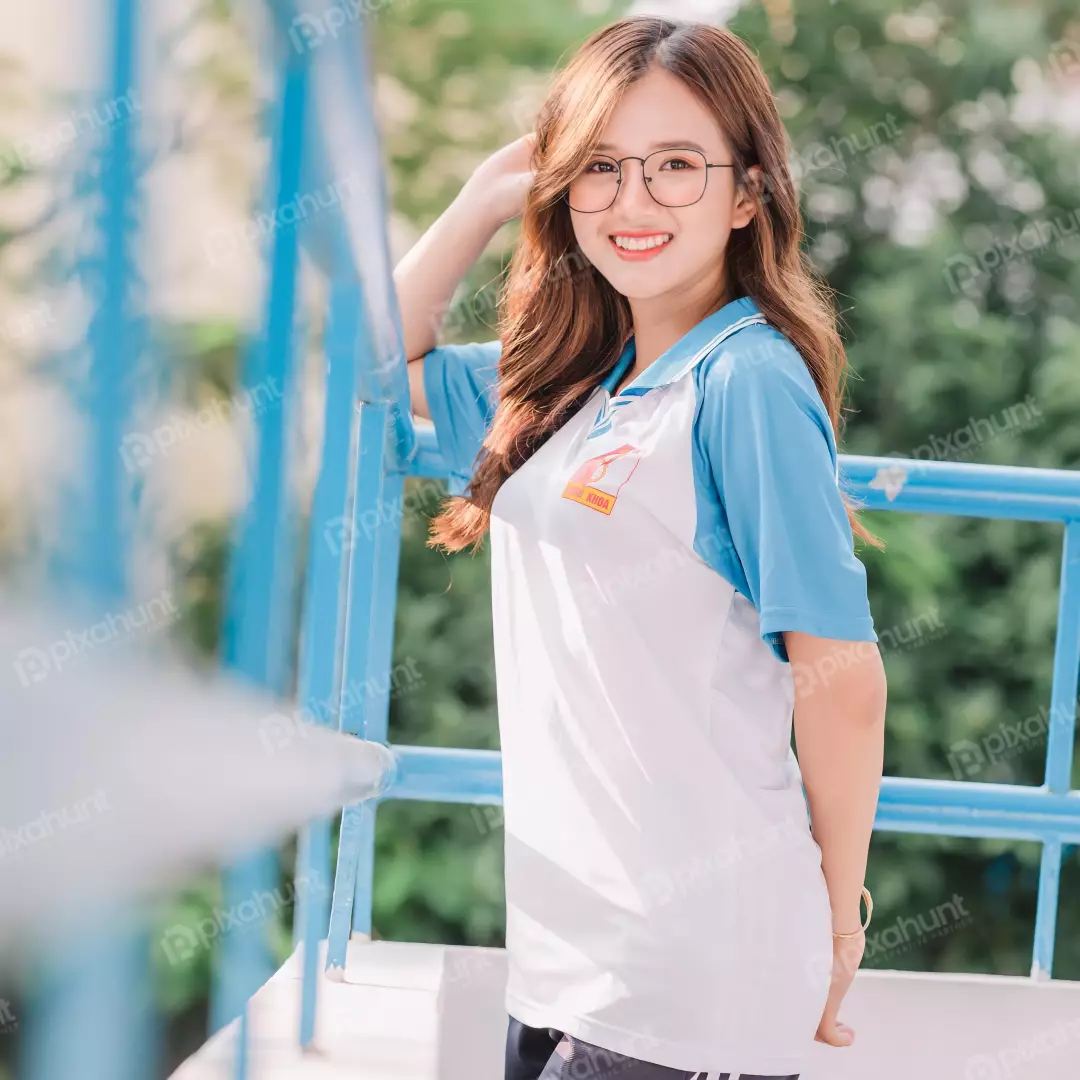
column 324, row 130
column 106, row 974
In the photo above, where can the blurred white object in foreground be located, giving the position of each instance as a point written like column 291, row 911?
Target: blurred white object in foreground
column 123, row 773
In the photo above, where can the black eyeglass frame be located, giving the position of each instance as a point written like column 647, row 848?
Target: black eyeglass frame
column 645, row 179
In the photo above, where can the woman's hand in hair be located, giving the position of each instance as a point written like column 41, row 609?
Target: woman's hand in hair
column 500, row 184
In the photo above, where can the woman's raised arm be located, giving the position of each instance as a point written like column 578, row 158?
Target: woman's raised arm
column 427, row 277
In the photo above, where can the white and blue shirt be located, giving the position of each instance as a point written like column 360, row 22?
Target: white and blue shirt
column 664, row 895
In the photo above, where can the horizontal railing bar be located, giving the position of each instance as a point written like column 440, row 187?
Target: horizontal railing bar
column 442, row 774
column 982, row 826
column 950, row 794
column 970, row 809
column 962, row 488
column 909, row 484
column 943, row 807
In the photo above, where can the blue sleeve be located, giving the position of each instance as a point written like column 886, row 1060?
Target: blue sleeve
column 460, row 386
column 772, row 494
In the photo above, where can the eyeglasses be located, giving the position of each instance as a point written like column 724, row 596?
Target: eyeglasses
column 673, row 177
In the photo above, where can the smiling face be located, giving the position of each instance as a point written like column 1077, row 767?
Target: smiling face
column 684, row 244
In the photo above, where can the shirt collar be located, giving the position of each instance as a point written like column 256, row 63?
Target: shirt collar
column 685, row 353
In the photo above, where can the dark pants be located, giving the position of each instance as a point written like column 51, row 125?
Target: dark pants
column 548, row 1054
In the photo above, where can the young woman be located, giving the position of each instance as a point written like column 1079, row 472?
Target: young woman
column 652, row 443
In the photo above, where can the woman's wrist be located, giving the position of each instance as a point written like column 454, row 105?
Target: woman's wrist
column 475, row 205
column 847, row 922
column 846, row 911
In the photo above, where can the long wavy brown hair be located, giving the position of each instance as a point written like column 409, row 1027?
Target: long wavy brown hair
column 561, row 324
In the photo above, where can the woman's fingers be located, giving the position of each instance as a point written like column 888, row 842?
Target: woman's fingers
column 834, row 1033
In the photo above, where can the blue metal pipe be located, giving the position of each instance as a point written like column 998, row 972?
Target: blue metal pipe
column 91, row 1008
column 258, row 623
column 1066, row 676
column 887, row 483
column 87, row 1016
column 357, row 822
column 348, row 147
column 944, row 487
column 1042, row 953
column 323, row 633
column 956, row 808
column 441, row 774
column 1060, row 744
column 387, row 526
column 112, row 353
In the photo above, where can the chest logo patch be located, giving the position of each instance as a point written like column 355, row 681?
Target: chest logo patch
column 597, row 481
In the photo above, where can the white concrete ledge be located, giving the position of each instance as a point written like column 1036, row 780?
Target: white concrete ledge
column 409, row 1011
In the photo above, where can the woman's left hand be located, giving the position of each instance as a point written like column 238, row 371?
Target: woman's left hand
column 847, row 956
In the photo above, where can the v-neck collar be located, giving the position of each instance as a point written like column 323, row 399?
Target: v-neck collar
column 683, row 354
